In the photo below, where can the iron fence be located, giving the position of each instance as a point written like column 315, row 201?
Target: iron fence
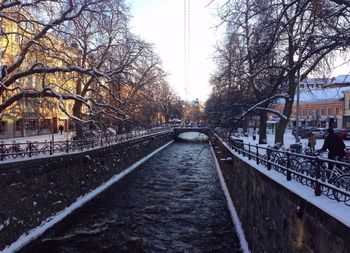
column 327, row 177
column 17, row 150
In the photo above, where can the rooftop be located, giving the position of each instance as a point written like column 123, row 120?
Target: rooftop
column 318, row 95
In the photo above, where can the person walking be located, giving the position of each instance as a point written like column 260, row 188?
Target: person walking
column 60, row 128
column 312, row 142
column 335, row 145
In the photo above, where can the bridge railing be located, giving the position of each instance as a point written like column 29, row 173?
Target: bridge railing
column 191, row 127
column 32, row 149
column 327, row 177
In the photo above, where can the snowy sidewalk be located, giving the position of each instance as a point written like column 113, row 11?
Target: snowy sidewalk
column 39, row 138
column 288, row 140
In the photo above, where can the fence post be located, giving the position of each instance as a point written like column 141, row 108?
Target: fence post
column 30, row 149
column 238, row 149
column 249, row 155
column 289, row 174
column 268, row 163
column 3, row 150
column 67, row 150
column 317, row 177
column 257, row 154
column 51, row 147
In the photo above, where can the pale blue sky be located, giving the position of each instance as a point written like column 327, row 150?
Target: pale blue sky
column 161, row 22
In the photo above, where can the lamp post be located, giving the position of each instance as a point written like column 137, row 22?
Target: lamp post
column 298, row 87
column 297, row 110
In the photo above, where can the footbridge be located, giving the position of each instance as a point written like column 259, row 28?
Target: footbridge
column 179, row 130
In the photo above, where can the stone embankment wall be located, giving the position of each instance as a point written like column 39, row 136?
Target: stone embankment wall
column 34, row 190
column 275, row 219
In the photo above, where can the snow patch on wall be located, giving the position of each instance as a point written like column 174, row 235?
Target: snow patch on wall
column 36, row 232
column 336, row 209
column 231, row 207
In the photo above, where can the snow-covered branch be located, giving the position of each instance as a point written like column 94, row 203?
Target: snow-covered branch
column 262, row 106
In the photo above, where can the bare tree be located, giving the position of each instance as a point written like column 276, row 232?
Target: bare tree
column 79, row 53
column 32, row 50
column 280, row 42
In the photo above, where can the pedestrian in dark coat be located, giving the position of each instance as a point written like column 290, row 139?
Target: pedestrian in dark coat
column 60, row 128
column 335, row 145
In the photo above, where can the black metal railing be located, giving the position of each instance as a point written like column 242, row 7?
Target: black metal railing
column 327, row 177
column 31, row 149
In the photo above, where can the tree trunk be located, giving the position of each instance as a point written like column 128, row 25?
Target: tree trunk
column 262, row 128
column 77, row 113
column 287, row 110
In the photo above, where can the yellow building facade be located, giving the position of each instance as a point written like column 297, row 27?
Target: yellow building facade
column 33, row 116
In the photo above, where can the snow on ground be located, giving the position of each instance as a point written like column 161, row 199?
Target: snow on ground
column 337, row 210
column 288, row 140
column 40, row 138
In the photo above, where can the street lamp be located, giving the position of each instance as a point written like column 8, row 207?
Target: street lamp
column 297, row 110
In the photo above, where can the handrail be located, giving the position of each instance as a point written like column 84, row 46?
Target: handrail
column 17, row 150
column 311, row 171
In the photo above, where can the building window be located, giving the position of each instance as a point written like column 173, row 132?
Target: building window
column 337, row 111
column 304, row 112
column 329, row 111
column 322, row 111
column 316, row 111
column 310, row 112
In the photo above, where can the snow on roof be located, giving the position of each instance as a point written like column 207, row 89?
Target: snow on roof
column 331, row 94
column 316, row 95
column 341, row 79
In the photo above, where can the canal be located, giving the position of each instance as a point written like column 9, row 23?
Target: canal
column 171, row 203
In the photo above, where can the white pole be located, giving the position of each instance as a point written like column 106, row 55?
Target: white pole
column 297, row 110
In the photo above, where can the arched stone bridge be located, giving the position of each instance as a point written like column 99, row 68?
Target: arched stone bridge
column 180, row 130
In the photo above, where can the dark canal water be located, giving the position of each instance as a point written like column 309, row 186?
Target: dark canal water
column 171, row 203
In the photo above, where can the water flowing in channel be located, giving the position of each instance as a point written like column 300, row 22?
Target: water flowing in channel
column 171, row 203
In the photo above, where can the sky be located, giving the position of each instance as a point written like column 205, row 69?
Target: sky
column 161, row 22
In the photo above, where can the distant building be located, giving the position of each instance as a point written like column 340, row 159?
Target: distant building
column 323, row 83
column 346, row 115
column 318, row 106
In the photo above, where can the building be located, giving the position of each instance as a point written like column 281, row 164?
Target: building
column 35, row 115
column 318, row 106
column 322, row 83
column 346, row 115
